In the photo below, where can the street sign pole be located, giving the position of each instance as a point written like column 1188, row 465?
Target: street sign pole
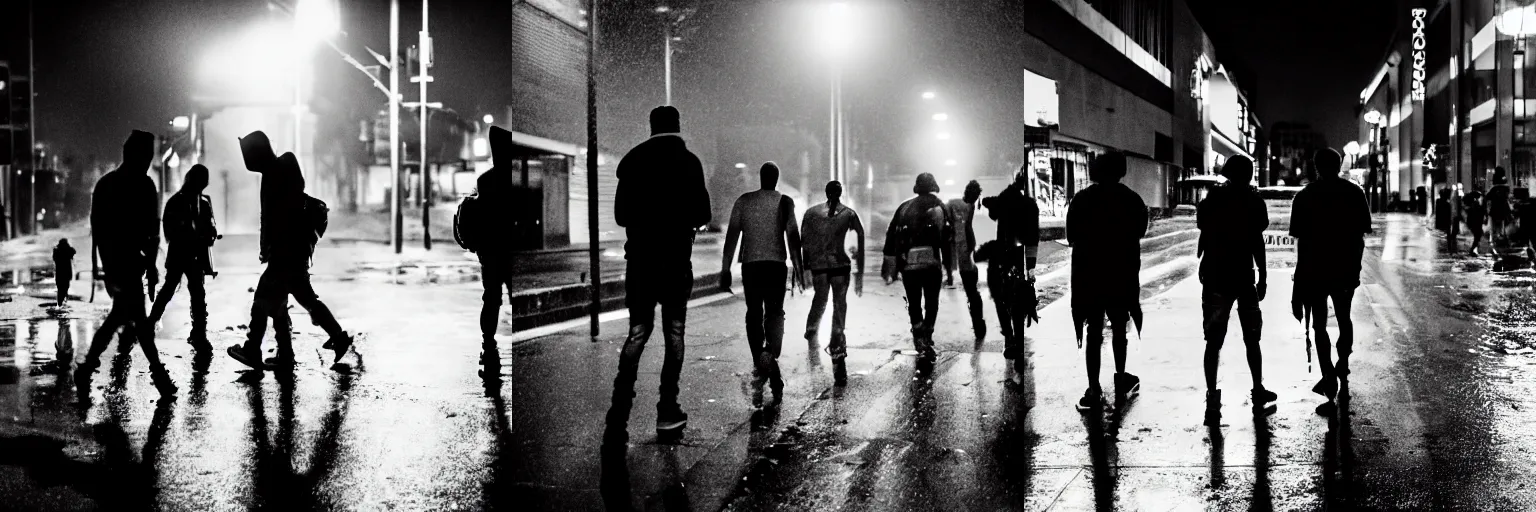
column 394, row 123
column 592, row 249
column 425, row 42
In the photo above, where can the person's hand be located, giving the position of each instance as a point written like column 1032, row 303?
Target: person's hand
column 858, row 284
column 1261, row 288
column 806, row 278
column 725, row 280
column 888, row 270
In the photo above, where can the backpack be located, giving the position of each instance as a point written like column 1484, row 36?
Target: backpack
column 920, row 239
column 464, row 231
column 316, row 217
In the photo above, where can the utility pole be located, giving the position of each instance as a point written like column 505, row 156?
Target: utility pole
column 667, row 47
column 424, row 64
column 31, row 107
column 592, row 249
column 394, row 123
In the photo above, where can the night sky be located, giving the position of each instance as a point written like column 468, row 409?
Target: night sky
column 108, row 66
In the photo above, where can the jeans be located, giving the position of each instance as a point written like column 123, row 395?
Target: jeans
column 62, row 281
column 646, row 285
column 1216, row 303
column 127, row 290
column 278, row 282
column 969, row 279
column 199, row 299
column 1006, row 284
column 763, row 283
column 835, row 281
column 496, row 275
column 922, row 305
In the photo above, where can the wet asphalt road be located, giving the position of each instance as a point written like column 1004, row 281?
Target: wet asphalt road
column 1438, row 415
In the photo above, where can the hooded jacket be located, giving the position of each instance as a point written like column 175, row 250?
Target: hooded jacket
column 661, row 200
column 125, row 220
column 1105, row 223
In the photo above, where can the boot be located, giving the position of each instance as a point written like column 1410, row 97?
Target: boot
column 839, row 371
column 199, row 342
column 162, row 380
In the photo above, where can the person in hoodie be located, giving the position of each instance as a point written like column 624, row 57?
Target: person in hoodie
column 1105, row 223
column 822, row 233
column 1011, row 263
column 1232, row 220
column 493, row 201
column 962, row 211
column 189, row 233
column 125, row 225
column 63, row 268
column 661, row 201
column 291, row 224
column 762, row 221
column 915, row 247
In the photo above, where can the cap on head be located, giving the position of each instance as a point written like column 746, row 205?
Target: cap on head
column 665, row 119
column 1238, row 169
column 926, row 184
column 1107, row 168
column 196, row 178
column 1327, row 162
column 834, row 190
column 768, row 175
column 139, row 149
column 501, row 143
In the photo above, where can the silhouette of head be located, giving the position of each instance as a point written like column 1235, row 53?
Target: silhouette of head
column 1445, row 193
column 1500, row 176
column 138, row 151
column 501, row 147
column 972, row 191
column 665, row 119
column 63, row 242
column 1107, row 168
column 1326, row 162
column 1238, row 170
column 196, row 179
column 926, row 184
column 834, row 191
column 256, row 148
column 290, row 177
column 768, row 176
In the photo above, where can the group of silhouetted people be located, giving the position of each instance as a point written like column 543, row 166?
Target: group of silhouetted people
column 126, row 223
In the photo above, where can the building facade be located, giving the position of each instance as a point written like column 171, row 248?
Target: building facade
column 1292, row 145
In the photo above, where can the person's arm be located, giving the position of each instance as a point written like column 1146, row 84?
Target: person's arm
column 946, row 235
column 792, row 235
column 732, row 235
column 698, row 212
column 858, row 257
column 1031, row 233
column 1074, row 222
column 621, row 195
column 893, row 247
column 951, row 253
column 1365, row 213
column 1258, row 248
column 150, row 221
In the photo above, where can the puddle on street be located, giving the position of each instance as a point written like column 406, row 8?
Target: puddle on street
column 39, row 346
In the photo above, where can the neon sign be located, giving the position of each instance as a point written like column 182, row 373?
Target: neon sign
column 1418, row 52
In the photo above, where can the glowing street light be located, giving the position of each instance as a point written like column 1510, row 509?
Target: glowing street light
column 928, row 95
column 943, row 135
column 317, row 20
column 950, row 163
column 488, row 119
column 1518, row 21
column 1373, row 117
column 1353, row 148
column 740, row 165
column 181, row 123
column 941, row 117
column 836, row 32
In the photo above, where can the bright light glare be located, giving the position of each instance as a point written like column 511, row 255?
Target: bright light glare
column 488, row 119
column 317, row 19
column 941, row 117
column 480, row 147
column 1518, row 21
column 175, row 162
column 181, row 123
column 950, row 162
column 258, row 64
column 1373, row 117
column 949, row 182
column 740, row 165
column 1353, row 148
column 835, row 29
column 663, row 9
column 928, row 95
column 943, row 135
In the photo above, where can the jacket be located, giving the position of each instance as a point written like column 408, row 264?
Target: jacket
column 189, row 231
column 963, row 244
column 1018, row 225
column 660, row 201
column 1105, row 223
column 125, row 221
column 907, row 228
column 763, row 220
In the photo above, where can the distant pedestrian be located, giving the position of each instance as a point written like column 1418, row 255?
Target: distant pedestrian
column 1011, row 262
column 125, row 230
column 63, row 268
column 292, row 223
column 661, row 201
column 1476, row 215
column 1232, row 220
column 189, row 234
column 763, row 221
column 962, row 211
column 1499, row 208
column 1105, row 223
column 915, row 247
column 823, row 232
column 1446, row 220
column 478, row 225
column 1329, row 219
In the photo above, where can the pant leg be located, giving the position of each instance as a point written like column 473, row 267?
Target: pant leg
column 303, row 292
column 931, row 288
column 1342, row 303
column 493, row 277
column 1094, row 347
column 839, row 346
column 970, row 279
column 773, row 309
column 914, row 289
column 1003, row 298
column 754, row 285
column 1119, row 341
column 167, row 290
column 674, row 318
column 136, row 320
column 270, row 295
column 641, row 299
column 62, row 283
column 195, row 288
column 821, row 283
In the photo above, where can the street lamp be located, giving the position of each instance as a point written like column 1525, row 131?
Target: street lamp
column 488, row 119
column 671, row 18
column 835, row 33
column 928, row 95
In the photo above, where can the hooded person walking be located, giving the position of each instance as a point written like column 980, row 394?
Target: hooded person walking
column 1105, row 223
column 189, row 233
column 916, row 248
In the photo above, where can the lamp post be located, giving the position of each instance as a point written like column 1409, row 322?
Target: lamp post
column 671, row 17
column 834, row 27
